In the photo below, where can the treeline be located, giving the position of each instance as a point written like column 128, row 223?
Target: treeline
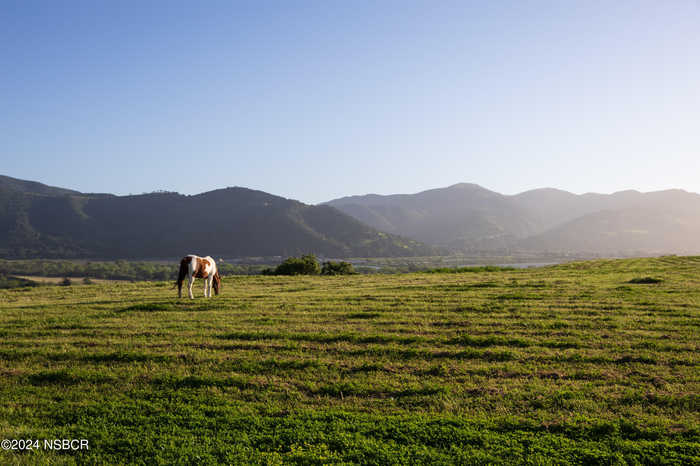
column 154, row 271
column 158, row 271
column 111, row 270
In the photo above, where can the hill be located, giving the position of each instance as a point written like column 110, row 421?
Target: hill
column 460, row 216
column 42, row 221
column 634, row 230
column 13, row 184
column 467, row 217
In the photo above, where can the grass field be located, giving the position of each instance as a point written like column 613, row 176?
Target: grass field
column 586, row 363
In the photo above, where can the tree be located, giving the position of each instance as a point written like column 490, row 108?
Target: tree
column 337, row 268
column 304, row 265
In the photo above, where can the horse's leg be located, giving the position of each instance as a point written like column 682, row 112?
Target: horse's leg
column 205, row 286
column 208, row 286
column 189, row 286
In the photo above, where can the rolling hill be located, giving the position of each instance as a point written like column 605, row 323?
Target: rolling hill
column 42, row 221
column 461, row 216
column 467, row 217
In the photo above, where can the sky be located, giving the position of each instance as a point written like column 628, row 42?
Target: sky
column 314, row 100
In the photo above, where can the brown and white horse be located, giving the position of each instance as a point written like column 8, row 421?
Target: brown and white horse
column 192, row 267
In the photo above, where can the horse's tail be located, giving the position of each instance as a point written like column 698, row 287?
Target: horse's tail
column 184, row 269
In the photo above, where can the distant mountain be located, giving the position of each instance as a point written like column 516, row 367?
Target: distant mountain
column 460, row 216
column 37, row 220
column 467, row 217
column 626, row 222
column 42, row 221
column 633, row 231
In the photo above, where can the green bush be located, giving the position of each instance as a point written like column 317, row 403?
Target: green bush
column 304, row 265
column 337, row 268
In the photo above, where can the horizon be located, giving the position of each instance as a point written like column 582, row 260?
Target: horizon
column 365, row 194
column 320, row 101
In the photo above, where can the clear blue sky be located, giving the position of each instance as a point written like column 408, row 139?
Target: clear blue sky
column 316, row 100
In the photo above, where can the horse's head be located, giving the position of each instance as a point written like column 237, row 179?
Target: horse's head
column 216, row 282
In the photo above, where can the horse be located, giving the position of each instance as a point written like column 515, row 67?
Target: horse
column 192, row 267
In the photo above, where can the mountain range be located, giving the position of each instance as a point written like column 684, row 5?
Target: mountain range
column 37, row 220
column 467, row 217
column 43, row 221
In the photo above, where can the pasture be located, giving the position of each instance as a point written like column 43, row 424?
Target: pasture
column 588, row 363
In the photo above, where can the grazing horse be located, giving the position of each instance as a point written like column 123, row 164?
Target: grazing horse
column 192, row 267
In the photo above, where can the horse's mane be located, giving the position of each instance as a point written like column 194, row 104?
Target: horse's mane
column 183, row 272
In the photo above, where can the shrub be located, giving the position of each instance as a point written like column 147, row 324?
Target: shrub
column 65, row 282
column 337, row 268
column 304, row 265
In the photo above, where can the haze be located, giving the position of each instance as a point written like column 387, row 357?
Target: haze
column 318, row 100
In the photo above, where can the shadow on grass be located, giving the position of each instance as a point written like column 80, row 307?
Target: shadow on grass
column 645, row 280
column 171, row 306
column 65, row 377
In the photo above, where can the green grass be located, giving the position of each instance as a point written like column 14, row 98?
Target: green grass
column 582, row 363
